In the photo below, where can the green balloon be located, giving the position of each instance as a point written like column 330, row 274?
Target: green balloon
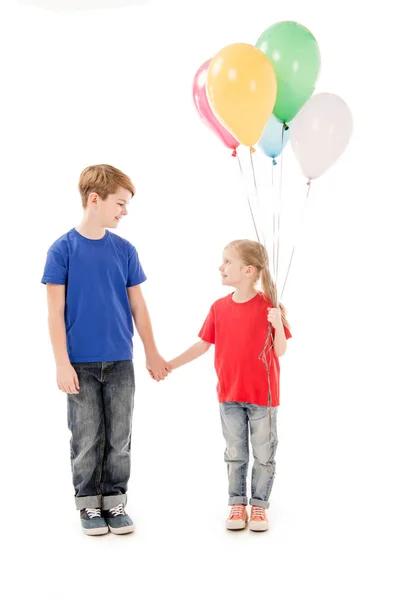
column 294, row 55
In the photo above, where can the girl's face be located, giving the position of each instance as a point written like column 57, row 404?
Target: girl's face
column 233, row 271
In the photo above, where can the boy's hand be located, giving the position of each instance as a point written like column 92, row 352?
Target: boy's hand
column 67, row 379
column 169, row 367
column 157, row 367
column 275, row 317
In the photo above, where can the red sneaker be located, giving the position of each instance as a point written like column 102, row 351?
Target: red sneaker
column 258, row 519
column 238, row 517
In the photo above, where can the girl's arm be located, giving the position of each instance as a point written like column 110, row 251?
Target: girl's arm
column 280, row 342
column 190, row 354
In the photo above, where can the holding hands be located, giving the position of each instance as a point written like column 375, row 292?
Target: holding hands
column 157, row 367
column 164, row 367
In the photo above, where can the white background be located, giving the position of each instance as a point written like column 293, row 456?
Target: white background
column 83, row 87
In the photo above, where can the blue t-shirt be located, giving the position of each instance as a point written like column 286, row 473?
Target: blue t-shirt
column 96, row 273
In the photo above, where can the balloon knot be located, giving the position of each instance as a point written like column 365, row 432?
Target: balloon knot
column 285, row 126
column 252, row 149
column 274, row 162
column 309, row 182
column 234, row 153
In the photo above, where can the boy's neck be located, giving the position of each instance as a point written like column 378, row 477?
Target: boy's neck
column 91, row 230
column 244, row 294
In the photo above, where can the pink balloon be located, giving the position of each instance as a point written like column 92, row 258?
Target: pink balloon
column 205, row 111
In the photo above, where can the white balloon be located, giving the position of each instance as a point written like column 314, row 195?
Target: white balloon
column 320, row 133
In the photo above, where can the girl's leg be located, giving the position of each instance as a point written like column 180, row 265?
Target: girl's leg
column 264, row 448
column 235, row 430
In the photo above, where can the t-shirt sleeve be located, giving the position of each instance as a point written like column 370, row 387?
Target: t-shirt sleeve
column 207, row 332
column 136, row 274
column 55, row 270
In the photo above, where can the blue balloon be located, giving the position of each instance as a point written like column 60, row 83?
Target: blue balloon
column 271, row 139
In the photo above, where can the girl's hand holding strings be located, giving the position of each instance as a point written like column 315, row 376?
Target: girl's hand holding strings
column 275, row 317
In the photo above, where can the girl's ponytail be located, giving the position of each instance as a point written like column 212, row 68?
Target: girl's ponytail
column 269, row 290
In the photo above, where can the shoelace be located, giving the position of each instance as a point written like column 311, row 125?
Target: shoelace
column 236, row 511
column 258, row 511
column 93, row 512
column 117, row 510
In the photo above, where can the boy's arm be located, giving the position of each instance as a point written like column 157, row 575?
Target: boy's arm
column 190, row 354
column 154, row 361
column 67, row 379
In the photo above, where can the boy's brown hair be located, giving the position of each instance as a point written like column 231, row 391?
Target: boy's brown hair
column 103, row 180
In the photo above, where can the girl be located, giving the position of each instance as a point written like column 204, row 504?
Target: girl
column 249, row 336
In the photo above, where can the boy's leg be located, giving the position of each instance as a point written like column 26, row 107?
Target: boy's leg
column 118, row 396
column 86, row 423
column 264, row 448
column 235, row 430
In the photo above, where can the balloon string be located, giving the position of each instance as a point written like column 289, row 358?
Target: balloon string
column 263, row 356
column 274, row 203
column 248, row 199
column 272, row 208
column 294, row 245
column 257, row 194
column 284, row 126
column 267, row 346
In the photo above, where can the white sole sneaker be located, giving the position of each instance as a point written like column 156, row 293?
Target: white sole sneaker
column 235, row 524
column 97, row 531
column 122, row 530
column 258, row 526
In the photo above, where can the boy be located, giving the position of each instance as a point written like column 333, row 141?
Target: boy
column 93, row 282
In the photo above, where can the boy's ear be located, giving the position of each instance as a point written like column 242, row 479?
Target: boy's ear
column 93, row 198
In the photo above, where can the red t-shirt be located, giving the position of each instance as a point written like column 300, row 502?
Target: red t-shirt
column 239, row 332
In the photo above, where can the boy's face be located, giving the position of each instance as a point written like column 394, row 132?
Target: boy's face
column 111, row 210
column 233, row 271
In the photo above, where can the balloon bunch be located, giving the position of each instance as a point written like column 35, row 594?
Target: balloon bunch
column 263, row 95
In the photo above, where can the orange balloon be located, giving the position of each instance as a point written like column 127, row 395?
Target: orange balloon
column 241, row 88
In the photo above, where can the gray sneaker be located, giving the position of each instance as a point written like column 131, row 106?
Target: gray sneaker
column 118, row 521
column 92, row 522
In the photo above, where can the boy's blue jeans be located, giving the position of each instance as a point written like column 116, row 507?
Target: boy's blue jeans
column 237, row 419
column 100, row 421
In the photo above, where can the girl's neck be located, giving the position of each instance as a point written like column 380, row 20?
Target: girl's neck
column 244, row 294
column 90, row 229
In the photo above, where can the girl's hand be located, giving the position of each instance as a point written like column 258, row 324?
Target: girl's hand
column 157, row 367
column 169, row 367
column 275, row 317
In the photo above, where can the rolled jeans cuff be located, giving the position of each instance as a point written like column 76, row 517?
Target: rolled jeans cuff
column 87, row 502
column 237, row 500
column 261, row 503
column 113, row 501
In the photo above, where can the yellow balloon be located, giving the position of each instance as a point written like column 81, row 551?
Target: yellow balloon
column 241, row 88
